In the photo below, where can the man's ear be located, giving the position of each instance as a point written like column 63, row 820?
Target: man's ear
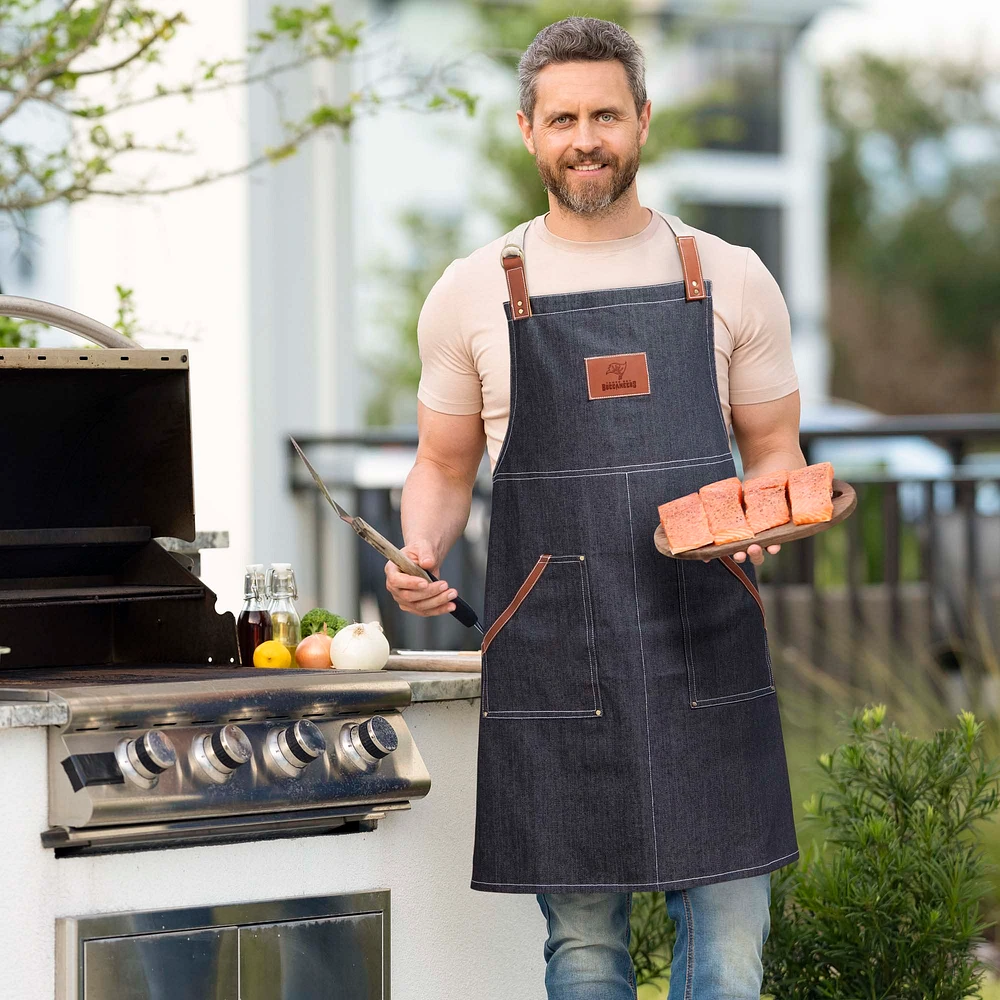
column 644, row 117
column 526, row 132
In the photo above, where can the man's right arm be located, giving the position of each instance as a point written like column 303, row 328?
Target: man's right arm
column 437, row 498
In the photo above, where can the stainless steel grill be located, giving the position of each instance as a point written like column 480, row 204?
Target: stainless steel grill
column 169, row 741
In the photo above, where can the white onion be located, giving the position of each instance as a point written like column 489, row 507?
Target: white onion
column 360, row 647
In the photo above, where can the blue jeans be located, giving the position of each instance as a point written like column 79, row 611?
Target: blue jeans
column 721, row 930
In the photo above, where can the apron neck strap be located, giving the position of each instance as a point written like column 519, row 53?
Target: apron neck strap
column 687, row 247
column 512, row 259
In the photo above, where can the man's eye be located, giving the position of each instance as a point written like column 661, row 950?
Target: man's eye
column 562, row 118
column 607, row 116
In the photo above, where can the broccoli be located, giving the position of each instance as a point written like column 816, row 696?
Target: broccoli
column 314, row 620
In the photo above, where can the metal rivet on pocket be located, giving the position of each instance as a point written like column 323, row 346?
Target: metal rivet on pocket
column 484, row 715
column 598, row 712
column 694, row 704
column 582, row 558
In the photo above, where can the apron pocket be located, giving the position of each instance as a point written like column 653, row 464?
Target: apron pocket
column 725, row 639
column 539, row 656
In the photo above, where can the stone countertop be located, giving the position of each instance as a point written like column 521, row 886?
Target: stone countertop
column 24, row 714
column 426, row 685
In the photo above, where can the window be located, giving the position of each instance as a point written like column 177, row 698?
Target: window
column 755, row 226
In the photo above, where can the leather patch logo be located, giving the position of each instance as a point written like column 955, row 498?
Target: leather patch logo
column 617, row 375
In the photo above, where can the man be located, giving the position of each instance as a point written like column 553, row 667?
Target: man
column 629, row 735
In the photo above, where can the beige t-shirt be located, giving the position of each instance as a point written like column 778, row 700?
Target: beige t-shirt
column 462, row 329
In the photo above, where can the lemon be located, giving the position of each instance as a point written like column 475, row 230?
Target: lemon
column 272, row 655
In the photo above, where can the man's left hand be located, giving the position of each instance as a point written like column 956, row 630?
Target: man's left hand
column 755, row 552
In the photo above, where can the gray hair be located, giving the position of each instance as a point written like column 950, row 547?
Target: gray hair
column 580, row 39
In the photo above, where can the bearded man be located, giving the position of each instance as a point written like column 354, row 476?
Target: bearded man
column 629, row 737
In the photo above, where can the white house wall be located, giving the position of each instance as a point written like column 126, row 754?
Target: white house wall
column 185, row 256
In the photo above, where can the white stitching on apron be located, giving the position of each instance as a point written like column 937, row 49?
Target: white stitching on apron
column 637, row 466
column 520, row 477
column 645, row 694
column 630, row 885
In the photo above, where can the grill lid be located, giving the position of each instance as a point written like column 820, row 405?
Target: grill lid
column 101, row 439
column 99, row 465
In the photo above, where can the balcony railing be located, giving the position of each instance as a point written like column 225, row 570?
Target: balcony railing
column 916, row 566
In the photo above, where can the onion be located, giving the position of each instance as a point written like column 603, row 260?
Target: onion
column 313, row 652
column 360, row 647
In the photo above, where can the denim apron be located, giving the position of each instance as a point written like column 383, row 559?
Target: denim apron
column 629, row 737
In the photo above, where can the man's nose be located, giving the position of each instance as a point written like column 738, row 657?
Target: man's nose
column 585, row 138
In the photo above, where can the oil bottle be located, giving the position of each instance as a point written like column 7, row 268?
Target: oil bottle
column 286, row 626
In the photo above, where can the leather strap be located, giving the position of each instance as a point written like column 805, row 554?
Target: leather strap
column 521, row 594
column 694, row 283
column 687, row 248
column 517, row 286
column 734, row 567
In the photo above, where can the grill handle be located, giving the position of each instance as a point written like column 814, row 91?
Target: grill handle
column 65, row 319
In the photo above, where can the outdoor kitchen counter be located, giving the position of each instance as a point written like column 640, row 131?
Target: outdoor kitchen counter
column 426, row 685
column 423, row 855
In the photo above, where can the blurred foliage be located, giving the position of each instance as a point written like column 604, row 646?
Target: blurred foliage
column 813, row 703
column 433, row 244
column 87, row 61
column 914, row 196
column 18, row 332
column 888, row 903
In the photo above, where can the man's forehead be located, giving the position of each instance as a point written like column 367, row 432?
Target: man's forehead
column 582, row 84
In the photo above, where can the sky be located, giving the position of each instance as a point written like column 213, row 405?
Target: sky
column 917, row 27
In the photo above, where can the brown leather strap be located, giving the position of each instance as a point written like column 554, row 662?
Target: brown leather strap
column 521, row 594
column 694, row 283
column 734, row 567
column 517, row 286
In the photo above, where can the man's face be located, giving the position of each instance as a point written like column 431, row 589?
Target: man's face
column 585, row 134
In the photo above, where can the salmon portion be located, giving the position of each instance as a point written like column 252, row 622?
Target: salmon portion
column 685, row 524
column 765, row 501
column 723, row 502
column 810, row 493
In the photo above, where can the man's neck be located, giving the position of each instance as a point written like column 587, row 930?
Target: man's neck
column 625, row 217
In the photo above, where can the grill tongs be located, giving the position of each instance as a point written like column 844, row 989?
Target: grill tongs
column 463, row 612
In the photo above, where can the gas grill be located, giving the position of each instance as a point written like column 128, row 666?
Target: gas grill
column 169, row 739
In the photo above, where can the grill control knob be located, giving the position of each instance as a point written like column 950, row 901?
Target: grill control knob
column 223, row 752
column 294, row 747
column 145, row 759
column 366, row 744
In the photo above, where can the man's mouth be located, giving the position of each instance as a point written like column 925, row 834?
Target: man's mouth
column 587, row 168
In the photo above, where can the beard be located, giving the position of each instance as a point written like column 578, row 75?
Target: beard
column 595, row 196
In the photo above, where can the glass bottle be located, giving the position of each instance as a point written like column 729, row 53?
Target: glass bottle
column 254, row 623
column 286, row 625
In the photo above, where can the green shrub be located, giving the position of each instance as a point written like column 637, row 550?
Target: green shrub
column 888, row 906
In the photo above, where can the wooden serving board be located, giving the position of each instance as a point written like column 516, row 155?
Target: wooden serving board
column 844, row 501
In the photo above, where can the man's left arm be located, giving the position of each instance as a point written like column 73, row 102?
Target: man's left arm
column 768, row 438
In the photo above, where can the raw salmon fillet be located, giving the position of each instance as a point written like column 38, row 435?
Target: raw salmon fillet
column 723, row 502
column 765, row 502
column 685, row 524
column 810, row 493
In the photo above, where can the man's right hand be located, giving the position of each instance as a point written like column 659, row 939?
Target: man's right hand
column 414, row 593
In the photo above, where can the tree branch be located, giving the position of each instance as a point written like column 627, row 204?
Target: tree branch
column 143, row 47
column 54, row 69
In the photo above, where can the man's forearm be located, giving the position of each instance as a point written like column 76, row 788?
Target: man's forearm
column 772, row 461
column 435, row 506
